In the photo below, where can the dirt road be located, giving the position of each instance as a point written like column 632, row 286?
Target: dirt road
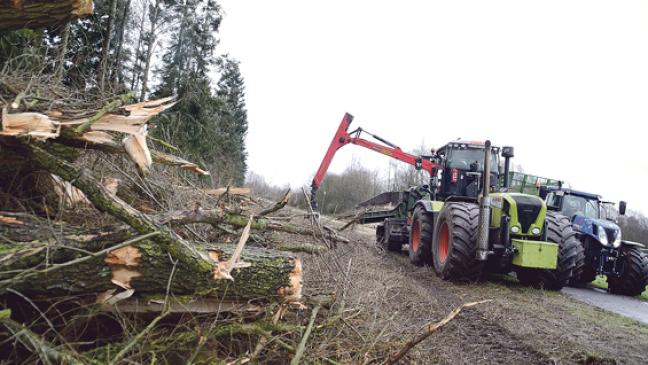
column 390, row 300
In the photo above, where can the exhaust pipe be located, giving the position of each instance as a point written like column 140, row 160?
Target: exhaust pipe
column 507, row 153
column 484, row 207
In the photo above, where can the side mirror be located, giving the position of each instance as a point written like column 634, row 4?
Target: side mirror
column 622, row 207
column 507, row 152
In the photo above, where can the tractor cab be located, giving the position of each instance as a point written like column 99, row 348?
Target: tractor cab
column 462, row 168
column 572, row 203
column 592, row 216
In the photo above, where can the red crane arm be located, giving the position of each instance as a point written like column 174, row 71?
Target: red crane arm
column 343, row 137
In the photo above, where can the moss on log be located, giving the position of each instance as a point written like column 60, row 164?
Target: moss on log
column 273, row 275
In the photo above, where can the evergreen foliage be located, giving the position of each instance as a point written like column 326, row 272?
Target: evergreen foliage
column 152, row 48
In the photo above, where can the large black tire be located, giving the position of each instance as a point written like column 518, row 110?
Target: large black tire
column 584, row 273
column 559, row 230
column 420, row 238
column 634, row 278
column 384, row 240
column 581, row 271
column 454, row 246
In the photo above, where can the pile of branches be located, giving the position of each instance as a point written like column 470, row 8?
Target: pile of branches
column 98, row 253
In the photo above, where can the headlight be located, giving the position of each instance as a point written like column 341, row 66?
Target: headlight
column 515, row 229
column 602, row 236
column 617, row 240
column 535, row 230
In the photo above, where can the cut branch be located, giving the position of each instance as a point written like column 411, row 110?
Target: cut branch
column 278, row 205
column 429, row 329
column 302, row 345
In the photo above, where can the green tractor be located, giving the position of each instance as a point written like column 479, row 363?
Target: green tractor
column 463, row 224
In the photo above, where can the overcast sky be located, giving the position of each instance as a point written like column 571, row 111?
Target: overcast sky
column 565, row 82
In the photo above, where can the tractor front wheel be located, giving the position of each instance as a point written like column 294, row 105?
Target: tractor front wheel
column 634, row 277
column 584, row 270
column 454, row 246
column 559, row 230
column 421, row 237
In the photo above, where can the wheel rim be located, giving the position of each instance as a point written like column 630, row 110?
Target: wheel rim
column 444, row 243
column 416, row 235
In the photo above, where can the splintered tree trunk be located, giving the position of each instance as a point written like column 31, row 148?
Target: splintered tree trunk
column 17, row 14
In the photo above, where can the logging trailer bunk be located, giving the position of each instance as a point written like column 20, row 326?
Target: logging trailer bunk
column 465, row 222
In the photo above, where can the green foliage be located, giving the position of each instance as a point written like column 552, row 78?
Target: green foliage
column 208, row 125
column 233, row 126
column 22, row 47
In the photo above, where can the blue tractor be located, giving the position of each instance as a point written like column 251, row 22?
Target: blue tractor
column 605, row 252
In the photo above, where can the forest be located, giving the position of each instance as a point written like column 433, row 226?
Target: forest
column 139, row 50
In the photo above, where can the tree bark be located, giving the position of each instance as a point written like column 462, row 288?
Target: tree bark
column 117, row 75
column 152, row 38
column 41, row 13
column 105, row 52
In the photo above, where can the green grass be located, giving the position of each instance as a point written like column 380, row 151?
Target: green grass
column 601, row 282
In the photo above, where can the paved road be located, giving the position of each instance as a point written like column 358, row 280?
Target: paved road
column 625, row 306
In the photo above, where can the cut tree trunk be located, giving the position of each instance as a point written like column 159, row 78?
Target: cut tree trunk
column 145, row 268
column 17, row 14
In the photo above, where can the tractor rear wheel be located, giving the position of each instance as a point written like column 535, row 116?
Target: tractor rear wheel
column 420, row 241
column 559, row 230
column 454, row 246
column 384, row 238
column 634, row 277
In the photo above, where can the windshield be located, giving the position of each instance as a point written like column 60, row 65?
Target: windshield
column 578, row 205
column 462, row 158
column 609, row 212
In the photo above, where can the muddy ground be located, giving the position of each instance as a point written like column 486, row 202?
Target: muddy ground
column 381, row 301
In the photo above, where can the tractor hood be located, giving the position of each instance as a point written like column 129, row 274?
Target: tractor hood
column 592, row 227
